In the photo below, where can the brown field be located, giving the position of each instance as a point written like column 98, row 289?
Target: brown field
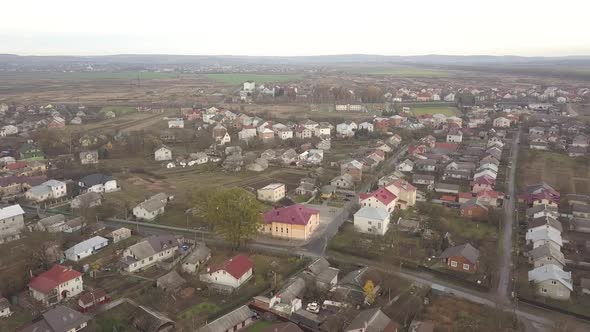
column 564, row 173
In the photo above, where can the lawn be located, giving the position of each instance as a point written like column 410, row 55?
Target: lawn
column 207, row 307
column 118, row 110
column 398, row 71
column 239, row 78
column 423, row 110
column 259, row 326
column 89, row 76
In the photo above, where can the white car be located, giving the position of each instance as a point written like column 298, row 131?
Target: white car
column 313, row 307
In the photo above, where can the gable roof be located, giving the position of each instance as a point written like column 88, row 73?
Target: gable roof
column 94, row 179
column 465, row 250
column 237, row 266
column 371, row 320
column 48, row 280
column 228, row 321
column 546, row 220
column 372, row 213
column 11, row 211
column 544, row 234
column 551, row 272
column 547, row 250
column 382, row 194
column 86, row 245
column 58, row 319
column 297, row 214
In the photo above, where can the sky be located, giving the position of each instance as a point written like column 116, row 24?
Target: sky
column 302, row 27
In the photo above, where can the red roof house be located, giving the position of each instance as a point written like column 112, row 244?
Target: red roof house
column 231, row 273
column 56, row 284
column 380, row 198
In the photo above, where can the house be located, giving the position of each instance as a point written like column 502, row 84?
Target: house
column 303, row 133
column 538, row 131
column 4, row 308
column 8, row 130
column 381, row 198
column 346, row 129
column 74, row 225
column 322, row 131
column 12, row 223
column 455, row 136
column 544, row 222
column 474, row 209
column 92, row 298
column 426, row 165
column 151, row 207
column 56, row 284
column 354, row 168
column 343, row 182
column 51, row 189
column 552, row 281
column 581, row 141
column 405, row 166
column 501, row 122
column 98, row 183
column 120, row 234
column 163, row 153
column 542, row 210
column 462, row 258
column 366, row 126
column 405, row 192
column 59, row 319
column 540, row 194
column 231, row 322
column 247, row 133
column 296, row 222
column 198, row 256
column 446, row 188
column 306, row 187
column 86, row 200
column 288, row 157
column 285, row 134
column 371, row 220
column 231, row 274
column 544, row 235
column 372, row 320
column 85, row 248
column 171, row 282
column 266, row 134
column 273, row 192
column 176, row 123
column 89, row 157
column 325, row 276
column 423, row 179
column 52, row 224
column 546, row 254
column 148, row 252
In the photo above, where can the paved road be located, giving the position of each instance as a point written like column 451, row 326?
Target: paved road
column 505, row 264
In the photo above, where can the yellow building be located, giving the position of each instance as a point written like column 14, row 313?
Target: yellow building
column 295, row 222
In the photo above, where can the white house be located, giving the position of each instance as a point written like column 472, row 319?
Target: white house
column 551, row 281
column 405, row 166
column 455, row 136
column 246, row 134
column 120, row 234
column 501, row 122
column 56, row 284
column 98, row 183
column 346, row 129
column 285, row 134
column 230, row 274
column 544, row 235
column 366, row 126
column 273, row 192
column 11, row 223
column 8, row 130
column 249, row 86
column 344, row 181
column 151, row 208
column 176, row 123
column 381, row 198
column 85, row 248
column 51, row 189
column 321, row 131
column 148, row 252
column 163, row 153
column 371, row 220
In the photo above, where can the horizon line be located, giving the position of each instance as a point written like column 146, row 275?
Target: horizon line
column 296, row 56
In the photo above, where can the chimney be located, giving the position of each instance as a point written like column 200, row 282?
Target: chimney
column 208, row 269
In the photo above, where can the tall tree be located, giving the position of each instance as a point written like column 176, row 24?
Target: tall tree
column 234, row 213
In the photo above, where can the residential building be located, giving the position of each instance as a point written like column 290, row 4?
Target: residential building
column 367, row 126
column 455, row 136
column 86, row 200
column 295, row 222
column 148, row 252
column 176, row 123
column 381, row 198
column 233, row 321
column 11, row 223
column 273, row 192
column 405, row 192
column 198, row 256
column 59, row 319
column 52, row 224
column 423, row 179
column 371, row 220
column 552, row 281
column 462, row 258
column 98, row 183
column 501, row 122
column 4, row 308
column 120, row 234
column 92, row 298
column 372, row 320
column 354, row 168
column 546, row 254
column 406, row 166
column 163, row 153
column 89, row 157
column 230, row 274
column 474, row 209
column 346, row 129
column 343, row 182
column 303, row 133
column 151, row 207
column 56, row 284
column 544, row 235
column 51, row 189
column 86, row 248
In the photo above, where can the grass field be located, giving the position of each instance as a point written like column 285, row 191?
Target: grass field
column 564, row 173
column 118, row 110
column 399, row 71
column 422, row 110
column 88, row 76
column 239, row 78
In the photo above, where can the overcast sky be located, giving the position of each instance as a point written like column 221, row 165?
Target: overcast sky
column 302, row 27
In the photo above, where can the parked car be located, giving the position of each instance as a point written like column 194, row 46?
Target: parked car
column 313, row 307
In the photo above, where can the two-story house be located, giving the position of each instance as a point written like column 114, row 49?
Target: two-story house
column 56, row 284
column 11, row 223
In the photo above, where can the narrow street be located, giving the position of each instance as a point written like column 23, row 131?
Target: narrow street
column 506, row 245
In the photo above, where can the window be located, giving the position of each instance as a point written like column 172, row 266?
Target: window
column 544, row 290
column 553, row 282
column 466, row 267
column 453, row 264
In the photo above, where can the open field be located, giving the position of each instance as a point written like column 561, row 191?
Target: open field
column 89, row 76
column 400, row 71
column 566, row 174
column 423, row 110
column 118, row 110
column 239, row 78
